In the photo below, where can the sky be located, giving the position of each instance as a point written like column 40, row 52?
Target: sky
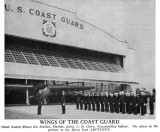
column 131, row 20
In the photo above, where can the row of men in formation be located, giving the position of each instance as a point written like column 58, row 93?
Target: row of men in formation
column 119, row 102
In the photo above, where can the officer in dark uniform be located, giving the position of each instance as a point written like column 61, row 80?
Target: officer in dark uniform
column 77, row 100
column 111, row 103
column 85, row 101
column 154, row 92
column 120, row 104
column 127, row 102
column 114, row 96
column 97, row 102
column 93, row 99
column 116, row 103
column 63, row 102
column 39, row 102
column 39, row 107
column 151, row 103
column 131, row 103
column 81, row 100
column 89, row 101
column 146, row 101
column 135, row 105
column 123, row 102
column 106, row 102
column 101, row 99
column 37, row 94
column 139, row 103
column 142, row 99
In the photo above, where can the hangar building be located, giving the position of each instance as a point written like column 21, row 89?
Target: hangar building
column 52, row 45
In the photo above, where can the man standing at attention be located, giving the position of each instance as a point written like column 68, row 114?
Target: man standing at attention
column 151, row 103
column 63, row 102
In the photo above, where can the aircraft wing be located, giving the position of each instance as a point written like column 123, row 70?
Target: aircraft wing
column 70, row 88
column 54, row 87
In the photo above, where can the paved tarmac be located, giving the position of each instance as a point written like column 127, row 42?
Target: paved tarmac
column 55, row 112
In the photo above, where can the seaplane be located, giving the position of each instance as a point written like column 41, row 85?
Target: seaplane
column 41, row 91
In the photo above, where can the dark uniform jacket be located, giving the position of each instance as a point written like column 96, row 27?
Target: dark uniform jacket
column 142, row 102
column 63, row 100
column 122, row 103
column 152, row 99
column 81, row 98
column 135, row 105
column 93, row 98
column 151, row 104
column 111, row 103
column 116, row 104
column 78, row 98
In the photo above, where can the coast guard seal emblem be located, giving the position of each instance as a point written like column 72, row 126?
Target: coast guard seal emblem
column 49, row 29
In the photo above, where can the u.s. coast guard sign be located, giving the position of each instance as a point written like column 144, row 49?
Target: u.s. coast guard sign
column 49, row 29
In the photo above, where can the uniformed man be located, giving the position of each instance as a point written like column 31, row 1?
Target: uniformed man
column 81, row 100
column 77, row 100
column 89, row 101
column 93, row 98
column 111, row 103
column 116, row 103
column 123, row 102
column 127, row 102
column 151, row 103
column 139, row 103
column 146, row 101
column 63, row 102
column 37, row 94
column 101, row 99
column 154, row 92
column 97, row 102
column 131, row 103
column 39, row 107
column 106, row 100
column 85, row 101
column 142, row 100
column 120, row 104
column 135, row 105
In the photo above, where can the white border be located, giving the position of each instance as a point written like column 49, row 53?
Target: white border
column 36, row 122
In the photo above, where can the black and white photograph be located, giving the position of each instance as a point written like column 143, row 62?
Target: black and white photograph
column 80, row 59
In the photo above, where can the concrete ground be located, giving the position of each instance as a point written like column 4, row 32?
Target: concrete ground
column 55, row 112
